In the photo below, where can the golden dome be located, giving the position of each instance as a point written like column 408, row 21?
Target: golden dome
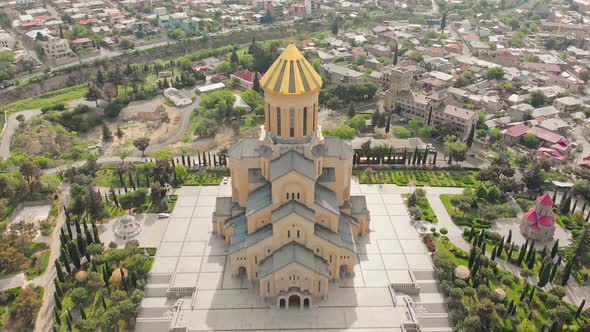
column 291, row 74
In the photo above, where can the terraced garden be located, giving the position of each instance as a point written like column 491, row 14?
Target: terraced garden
column 433, row 178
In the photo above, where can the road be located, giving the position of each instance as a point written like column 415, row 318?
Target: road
column 11, row 127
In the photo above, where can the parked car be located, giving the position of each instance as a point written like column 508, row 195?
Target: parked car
column 163, row 215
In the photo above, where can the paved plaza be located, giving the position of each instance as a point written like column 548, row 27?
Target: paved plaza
column 190, row 285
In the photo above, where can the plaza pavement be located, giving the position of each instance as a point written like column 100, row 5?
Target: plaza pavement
column 193, row 260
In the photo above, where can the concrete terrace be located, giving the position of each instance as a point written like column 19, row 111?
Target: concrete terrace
column 190, row 285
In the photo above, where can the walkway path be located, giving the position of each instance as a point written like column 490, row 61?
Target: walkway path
column 11, row 127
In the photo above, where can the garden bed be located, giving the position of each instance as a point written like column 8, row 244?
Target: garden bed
column 206, row 179
column 423, row 206
column 432, row 178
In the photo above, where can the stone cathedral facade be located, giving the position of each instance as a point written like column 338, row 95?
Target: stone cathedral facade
column 291, row 225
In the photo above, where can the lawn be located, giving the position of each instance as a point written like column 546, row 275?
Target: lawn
column 424, row 207
column 106, row 177
column 207, row 179
column 65, row 96
column 39, row 266
column 433, row 178
column 471, row 217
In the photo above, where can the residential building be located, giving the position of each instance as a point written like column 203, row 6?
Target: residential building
column 291, row 222
column 336, row 74
column 311, row 7
column 432, row 110
column 7, row 40
column 56, row 49
column 244, row 78
column 567, row 104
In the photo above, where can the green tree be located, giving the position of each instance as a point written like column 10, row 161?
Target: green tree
column 443, row 22
column 79, row 296
column 537, row 99
column 526, row 326
column 495, row 74
column 530, row 140
column 358, row 122
column 533, row 178
column 414, row 125
column 142, row 144
column 425, row 131
column 26, row 305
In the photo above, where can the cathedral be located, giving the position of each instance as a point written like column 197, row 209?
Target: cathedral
column 291, row 224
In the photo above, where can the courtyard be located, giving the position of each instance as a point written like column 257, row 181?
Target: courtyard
column 191, row 286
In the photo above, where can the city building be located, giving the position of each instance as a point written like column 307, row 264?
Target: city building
column 6, row 40
column 311, row 7
column 432, row 110
column 336, row 74
column 538, row 223
column 291, row 222
column 244, row 78
column 57, row 49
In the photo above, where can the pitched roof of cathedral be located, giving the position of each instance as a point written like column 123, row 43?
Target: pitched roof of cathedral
column 258, row 199
column 291, row 74
column 326, row 198
column 293, row 252
column 291, row 161
column 292, row 206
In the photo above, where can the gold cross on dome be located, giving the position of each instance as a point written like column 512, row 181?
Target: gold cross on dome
column 292, row 31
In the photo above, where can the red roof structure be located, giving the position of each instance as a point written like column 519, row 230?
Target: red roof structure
column 245, row 75
column 545, row 200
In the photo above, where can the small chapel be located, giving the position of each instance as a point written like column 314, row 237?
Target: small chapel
column 291, row 224
column 538, row 223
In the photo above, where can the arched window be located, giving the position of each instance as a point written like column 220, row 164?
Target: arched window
column 297, row 233
column 289, row 234
column 304, row 121
column 278, row 121
column 298, row 195
column 287, row 195
column 291, row 123
column 255, row 259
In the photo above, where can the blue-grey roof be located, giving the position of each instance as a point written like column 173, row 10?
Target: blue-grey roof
column 334, row 147
column 235, row 220
column 291, row 161
column 293, row 252
column 259, row 199
column 248, row 148
column 326, row 198
column 358, row 205
column 241, row 239
column 344, row 237
column 292, row 206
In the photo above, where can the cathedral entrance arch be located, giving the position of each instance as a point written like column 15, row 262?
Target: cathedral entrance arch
column 242, row 273
column 294, row 301
column 344, row 273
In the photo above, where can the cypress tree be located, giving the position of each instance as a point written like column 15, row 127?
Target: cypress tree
column 80, row 243
column 63, row 233
column 567, row 272
column 58, row 289
column 74, row 255
column 554, row 271
column 509, row 238
column 60, row 272
column 544, row 252
column 524, row 292
column 531, row 294
column 77, row 224
column 471, row 257
column 105, row 276
column 57, row 301
column 104, row 303
column 57, row 316
column 532, row 251
column 564, row 205
column 531, row 261
column 95, row 233
column 114, row 196
column 82, row 313
column 494, row 250
column 555, row 248
column 123, row 279
column 575, row 205
column 545, row 275
column 69, row 228
column 580, row 308
column 521, row 254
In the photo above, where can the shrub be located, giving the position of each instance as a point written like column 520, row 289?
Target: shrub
column 444, row 231
column 401, row 132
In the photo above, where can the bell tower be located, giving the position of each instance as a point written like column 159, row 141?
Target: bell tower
column 291, row 92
